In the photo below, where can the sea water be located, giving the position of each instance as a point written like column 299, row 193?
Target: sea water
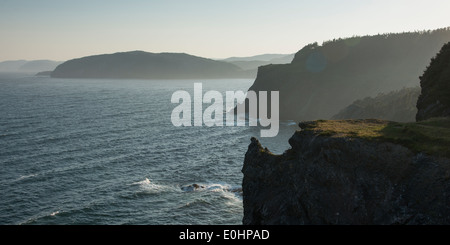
column 104, row 151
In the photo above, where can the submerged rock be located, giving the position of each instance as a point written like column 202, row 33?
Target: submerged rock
column 193, row 187
column 197, row 187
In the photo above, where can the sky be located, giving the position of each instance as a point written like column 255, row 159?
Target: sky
column 62, row 29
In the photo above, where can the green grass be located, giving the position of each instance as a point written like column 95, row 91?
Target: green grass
column 431, row 136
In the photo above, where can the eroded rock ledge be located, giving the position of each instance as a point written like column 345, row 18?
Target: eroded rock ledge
column 326, row 179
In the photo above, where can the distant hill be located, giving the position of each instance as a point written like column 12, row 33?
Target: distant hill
column 283, row 60
column 261, row 57
column 11, row 65
column 249, row 65
column 399, row 106
column 28, row 66
column 40, row 65
column 44, row 74
column 144, row 65
column 253, row 62
column 324, row 79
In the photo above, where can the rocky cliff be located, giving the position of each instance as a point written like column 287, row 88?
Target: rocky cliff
column 352, row 173
column 324, row 79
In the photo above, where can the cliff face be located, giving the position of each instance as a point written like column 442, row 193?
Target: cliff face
column 324, row 79
column 435, row 82
column 327, row 179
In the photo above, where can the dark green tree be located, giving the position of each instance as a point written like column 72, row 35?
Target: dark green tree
column 434, row 100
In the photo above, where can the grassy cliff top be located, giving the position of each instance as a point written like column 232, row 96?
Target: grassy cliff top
column 431, row 136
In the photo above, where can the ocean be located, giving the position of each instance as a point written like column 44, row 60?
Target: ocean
column 105, row 152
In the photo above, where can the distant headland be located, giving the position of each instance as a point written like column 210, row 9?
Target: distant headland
column 145, row 65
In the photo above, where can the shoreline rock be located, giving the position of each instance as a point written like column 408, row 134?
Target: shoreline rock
column 325, row 180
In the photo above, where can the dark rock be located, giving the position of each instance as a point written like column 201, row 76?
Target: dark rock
column 193, row 187
column 305, row 124
column 342, row 180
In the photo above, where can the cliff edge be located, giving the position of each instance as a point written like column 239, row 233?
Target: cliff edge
column 352, row 172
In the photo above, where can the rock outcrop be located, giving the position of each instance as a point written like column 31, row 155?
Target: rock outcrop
column 335, row 179
column 435, row 82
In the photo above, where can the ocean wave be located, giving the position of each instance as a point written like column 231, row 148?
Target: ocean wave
column 26, row 177
column 38, row 217
column 233, row 199
column 232, row 193
column 205, row 195
column 147, row 186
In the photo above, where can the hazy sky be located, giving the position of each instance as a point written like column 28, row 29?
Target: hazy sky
column 63, row 29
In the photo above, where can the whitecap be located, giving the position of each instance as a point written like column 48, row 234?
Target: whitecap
column 233, row 199
column 228, row 191
column 204, row 187
column 37, row 217
column 217, row 187
column 148, row 186
column 26, row 177
column 146, row 181
column 233, row 194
